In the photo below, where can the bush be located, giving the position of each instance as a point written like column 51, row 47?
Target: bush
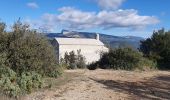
column 55, row 72
column 7, row 72
column 80, row 60
column 73, row 61
column 13, row 86
column 146, row 64
column 25, row 58
column 8, row 84
column 27, row 50
column 9, row 88
column 29, row 81
column 93, row 66
column 122, row 58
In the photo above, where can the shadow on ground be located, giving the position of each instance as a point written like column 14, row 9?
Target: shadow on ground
column 156, row 88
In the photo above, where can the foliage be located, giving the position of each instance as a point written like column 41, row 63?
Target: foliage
column 55, row 72
column 122, row 58
column 24, row 50
column 93, row 66
column 12, row 85
column 157, row 48
column 29, row 81
column 8, row 83
column 9, row 88
column 146, row 64
column 80, row 60
column 25, row 58
column 7, row 72
column 73, row 61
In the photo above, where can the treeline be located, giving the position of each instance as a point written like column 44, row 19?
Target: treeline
column 154, row 53
column 26, row 57
column 157, row 48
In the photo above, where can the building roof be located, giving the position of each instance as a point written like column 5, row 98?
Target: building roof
column 78, row 41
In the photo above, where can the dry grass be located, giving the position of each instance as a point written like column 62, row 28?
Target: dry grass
column 106, row 85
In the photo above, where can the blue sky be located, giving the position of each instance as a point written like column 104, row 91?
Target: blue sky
column 115, row 17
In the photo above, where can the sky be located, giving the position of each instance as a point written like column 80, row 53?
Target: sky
column 113, row 17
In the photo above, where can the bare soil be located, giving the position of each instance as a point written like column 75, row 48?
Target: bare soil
column 106, row 85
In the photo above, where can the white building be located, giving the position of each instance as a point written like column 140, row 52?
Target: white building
column 90, row 48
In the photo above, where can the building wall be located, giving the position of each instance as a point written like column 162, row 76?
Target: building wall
column 90, row 52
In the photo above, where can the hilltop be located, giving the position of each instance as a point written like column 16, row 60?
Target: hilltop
column 109, row 40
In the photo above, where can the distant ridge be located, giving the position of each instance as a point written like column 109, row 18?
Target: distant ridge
column 108, row 40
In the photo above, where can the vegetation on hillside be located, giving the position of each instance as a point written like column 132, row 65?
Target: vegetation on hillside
column 25, row 58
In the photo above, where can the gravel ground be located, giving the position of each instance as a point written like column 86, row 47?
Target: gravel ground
column 109, row 85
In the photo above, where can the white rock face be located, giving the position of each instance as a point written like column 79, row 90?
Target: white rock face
column 91, row 49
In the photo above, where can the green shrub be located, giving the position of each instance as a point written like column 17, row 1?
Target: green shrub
column 25, row 58
column 7, row 72
column 73, row 61
column 122, row 58
column 93, row 66
column 125, row 58
column 8, row 84
column 29, row 81
column 13, row 86
column 55, row 72
column 146, row 64
column 80, row 60
column 24, row 49
column 9, row 88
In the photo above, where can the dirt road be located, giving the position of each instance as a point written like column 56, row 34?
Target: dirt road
column 108, row 85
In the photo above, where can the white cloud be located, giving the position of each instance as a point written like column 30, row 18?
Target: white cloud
column 76, row 19
column 109, row 4
column 42, row 25
column 32, row 5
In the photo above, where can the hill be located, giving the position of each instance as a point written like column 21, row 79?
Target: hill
column 108, row 40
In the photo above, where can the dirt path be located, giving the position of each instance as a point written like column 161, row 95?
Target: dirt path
column 109, row 85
